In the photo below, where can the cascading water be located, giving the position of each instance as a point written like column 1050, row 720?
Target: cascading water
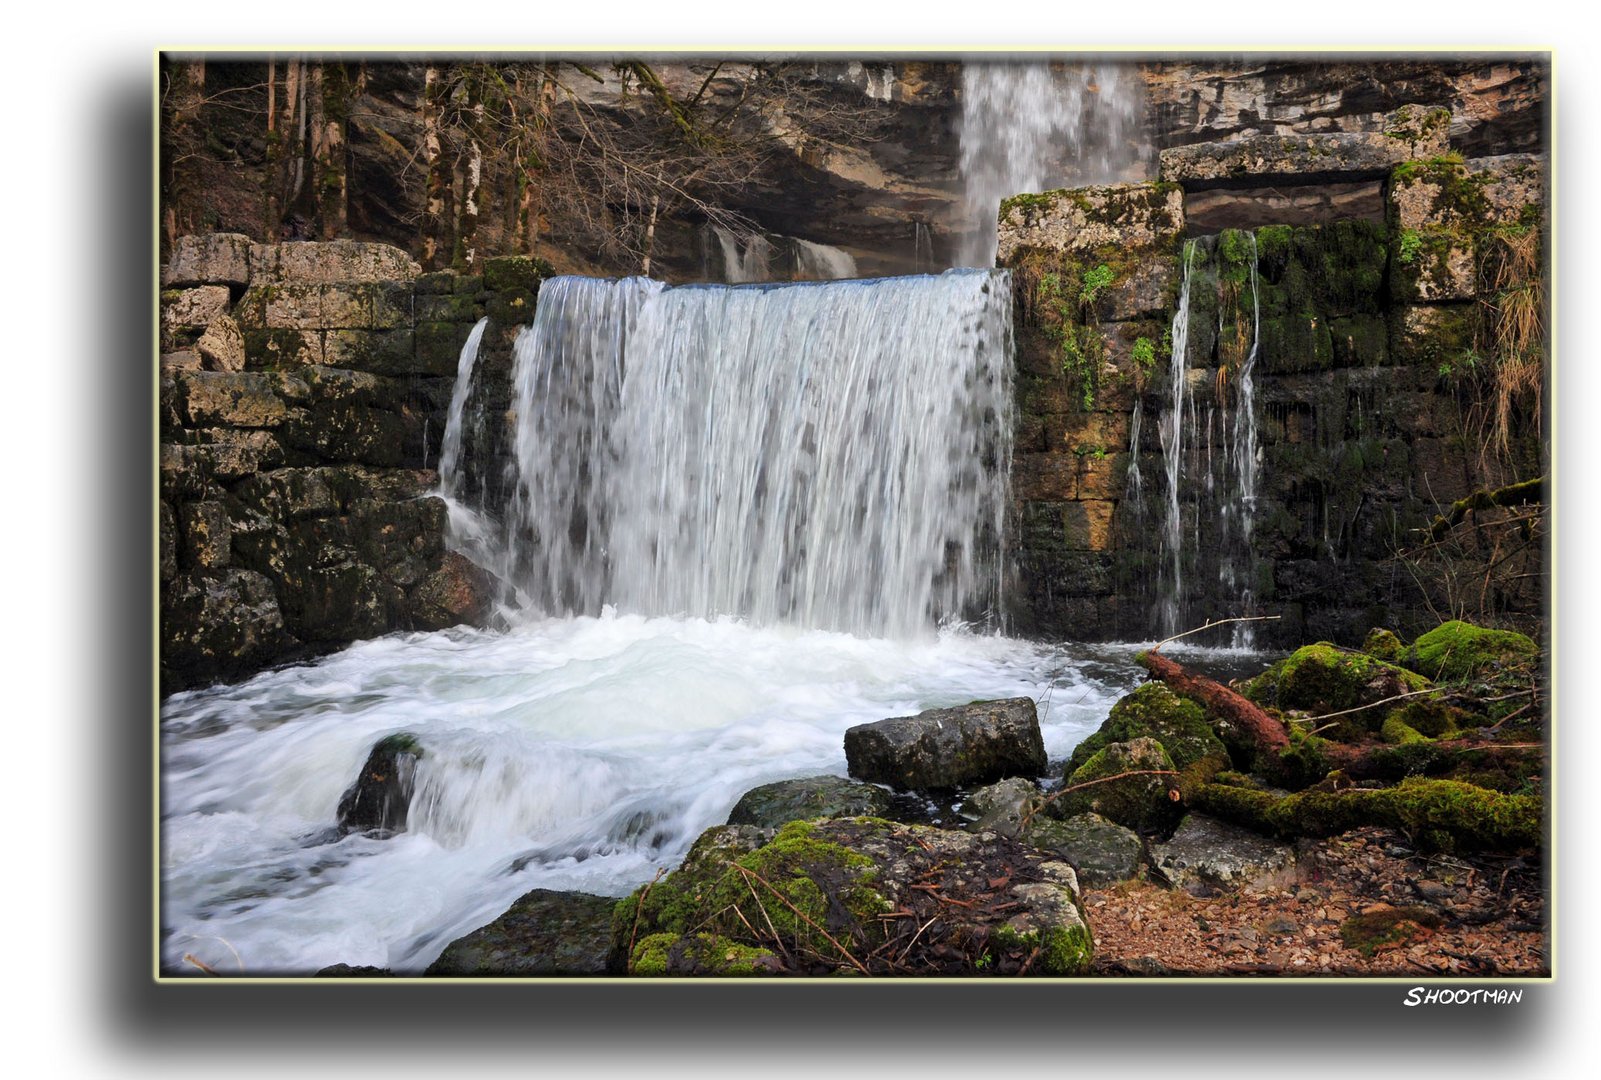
column 827, row 455
column 450, row 445
column 1028, row 127
column 819, row 262
column 1172, row 432
column 1209, row 454
column 810, row 457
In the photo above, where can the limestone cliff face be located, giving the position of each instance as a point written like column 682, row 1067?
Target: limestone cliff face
column 865, row 154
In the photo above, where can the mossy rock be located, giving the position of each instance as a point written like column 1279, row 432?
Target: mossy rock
column 773, row 805
column 855, row 896
column 1155, row 712
column 1457, row 651
column 1140, row 802
column 1324, row 679
column 1383, row 645
column 544, row 932
column 1102, row 852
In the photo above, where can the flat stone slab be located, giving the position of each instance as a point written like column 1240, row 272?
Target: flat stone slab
column 544, row 933
column 941, row 749
column 1206, row 855
column 1084, row 220
column 1410, row 134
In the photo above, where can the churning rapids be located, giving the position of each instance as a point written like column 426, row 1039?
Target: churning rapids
column 735, row 522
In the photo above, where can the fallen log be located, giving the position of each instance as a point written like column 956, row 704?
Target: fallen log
column 1267, row 734
column 1528, row 491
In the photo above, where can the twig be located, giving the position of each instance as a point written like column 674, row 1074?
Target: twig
column 191, row 958
column 1369, row 705
column 1211, row 623
column 846, row 953
column 640, row 907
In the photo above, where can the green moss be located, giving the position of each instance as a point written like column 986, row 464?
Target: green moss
column 724, row 889
column 1096, row 279
column 1375, row 930
column 1324, row 679
column 1136, row 802
column 1383, row 645
column 1303, row 762
column 1438, row 814
column 1434, row 719
column 1061, row 950
column 699, row 954
column 1399, row 732
column 515, row 272
column 1407, row 249
column 1457, row 650
column 1153, row 711
column 400, row 743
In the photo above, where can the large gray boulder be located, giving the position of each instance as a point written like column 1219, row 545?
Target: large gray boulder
column 941, row 749
column 544, row 933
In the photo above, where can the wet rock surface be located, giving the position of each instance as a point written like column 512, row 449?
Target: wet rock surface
column 949, row 748
column 773, row 805
column 545, row 933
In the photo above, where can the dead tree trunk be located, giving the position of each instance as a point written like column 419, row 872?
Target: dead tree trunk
column 436, row 183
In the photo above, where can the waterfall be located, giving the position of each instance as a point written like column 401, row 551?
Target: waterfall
column 1172, row 432
column 1241, row 507
column 450, row 446
column 831, row 455
column 1209, row 453
column 744, row 261
column 819, row 262
column 922, row 247
column 1035, row 126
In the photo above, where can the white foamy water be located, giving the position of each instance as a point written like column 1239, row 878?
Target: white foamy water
column 578, row 753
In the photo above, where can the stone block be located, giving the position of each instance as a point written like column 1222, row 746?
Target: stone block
column 192, row 309
column 392, row 305
column 1437, row 336
column 1102, row 476
column 208, row 259
column 454, row 308
column 205, row 535
column 282, row 348
column 222, row 346
column 330, row 262
column 391, row 352
column 181, row 360
column 1256, row 160
column 1085, row 220
column 233, row 399
column 1051, row 476
column 1088, row 525
column 292, row 306
column 346, row 306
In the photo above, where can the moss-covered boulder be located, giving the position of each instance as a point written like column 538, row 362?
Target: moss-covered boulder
column 380, row 799
column 1140, row 801
column 1155, row 712
column 943, row 749
column 1383, row 645
column 1324, row 678
column 1457, row 650
column 773, row 805
column 855, row 896
column 1101, row 851
column 544, row 933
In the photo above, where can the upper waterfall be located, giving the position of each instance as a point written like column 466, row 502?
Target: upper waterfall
column 829, row 455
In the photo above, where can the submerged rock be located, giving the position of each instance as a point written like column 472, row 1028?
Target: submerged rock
column 857, row 896
column 772, row 805
column 977, row 743
column 1206, row 854
column 544, row 933
column 380, row 799
column 1099, row 850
